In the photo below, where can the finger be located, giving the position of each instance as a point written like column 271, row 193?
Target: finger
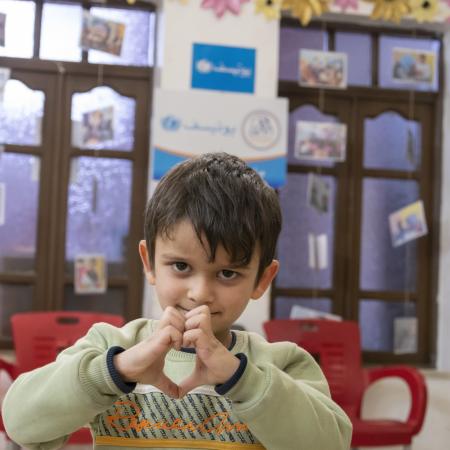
column 201, row 320
column 203, row 309
column 167, row 386
column 172, row 316
column 195, row 338
column 169, row 337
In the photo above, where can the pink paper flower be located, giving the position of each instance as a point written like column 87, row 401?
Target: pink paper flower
column 220, row 6
column 345, row 4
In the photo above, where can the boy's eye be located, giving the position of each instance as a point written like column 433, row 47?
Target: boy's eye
column 227, row 274
column 180, row 266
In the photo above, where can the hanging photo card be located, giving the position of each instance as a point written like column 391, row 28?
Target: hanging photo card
column 317, row 251
column 413, row 66
column 98, row 126
column 318, row 193
column 101, row 34
column 2, row 29
column 90, row 274
column 301, row 312
column 5, row 74
column 407, row 224
column 323, row 141
column 405, row 335
column 322, row 69
column 2, row 203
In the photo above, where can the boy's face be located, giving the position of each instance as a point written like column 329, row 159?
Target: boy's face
column 184, row 278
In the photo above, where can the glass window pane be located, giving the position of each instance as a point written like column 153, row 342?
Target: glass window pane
column 392, row 142
column 60, row 32
column 299, row 220
column 283, row 305
column 103, row 119
column 21, row 115
column 99, row 207
column 385, row 61
column 291, row 41
column 112, row 301
column 384, row 267
column 312, row 114
column 358, row 47
column 13, row 299
column 139, row 37
column 377, row 323
column 18, row 233
column 19, row 32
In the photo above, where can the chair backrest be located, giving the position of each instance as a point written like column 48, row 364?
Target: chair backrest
column 40, row 336
column 336, row 346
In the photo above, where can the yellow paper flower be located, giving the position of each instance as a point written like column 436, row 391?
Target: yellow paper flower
column 391, row 10
column 305, row 10
column 270, row 8
column 424, row 10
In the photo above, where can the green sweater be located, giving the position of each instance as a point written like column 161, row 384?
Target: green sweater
column 281, row 401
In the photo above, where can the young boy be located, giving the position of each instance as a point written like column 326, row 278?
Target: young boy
column 188, row 381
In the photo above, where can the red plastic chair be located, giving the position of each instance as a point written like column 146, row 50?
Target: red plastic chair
column 336, row 346
column 38, row 338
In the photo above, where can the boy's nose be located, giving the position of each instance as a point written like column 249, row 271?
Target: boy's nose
column 201, row 292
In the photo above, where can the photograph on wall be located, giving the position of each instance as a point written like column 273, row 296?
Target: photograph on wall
column 2, row 203
column 97, row 126
column 413, row 66
column 101, row 34
column 325, row 141
column 318, row 193
column 322, row 69
column 407, row 223
column 5, row 74
column 90, row 274
column 2, row 29
column 317, row 251
column 405, row 335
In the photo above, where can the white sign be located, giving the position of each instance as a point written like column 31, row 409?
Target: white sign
column 187, row 124
column 2, row 203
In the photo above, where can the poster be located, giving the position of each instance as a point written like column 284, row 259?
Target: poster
column 407, row 224
column 318, row 193
column 98, row 126
column 323, row 141
column 186, row 124
column 101, row 34
column 322, row 69
column 90, row 274
column 413, row 66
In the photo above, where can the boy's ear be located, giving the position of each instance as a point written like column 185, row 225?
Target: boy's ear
column 149, row 275
column 266, row 278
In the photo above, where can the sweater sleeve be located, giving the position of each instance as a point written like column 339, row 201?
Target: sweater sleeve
column 44, row 406
column 290, row 407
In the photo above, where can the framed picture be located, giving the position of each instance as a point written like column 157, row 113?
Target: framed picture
column 98, row 126
column 407, row 224
column 323, row 69
column 325, row 141
column 90, row 274
column 101, row 34
column 413, row 66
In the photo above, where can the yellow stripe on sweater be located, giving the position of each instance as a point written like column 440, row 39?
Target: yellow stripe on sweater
column 174, row 443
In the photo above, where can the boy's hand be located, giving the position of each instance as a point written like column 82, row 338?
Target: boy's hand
column 215, row 364
column 144, row 362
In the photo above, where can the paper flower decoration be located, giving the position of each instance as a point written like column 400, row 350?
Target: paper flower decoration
column 390, row 10
column 346, row 4
column 305, row 10
column 220, row 6
column 270, row 8
column 424, row 10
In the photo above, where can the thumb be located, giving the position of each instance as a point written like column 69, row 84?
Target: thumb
column 167, row 386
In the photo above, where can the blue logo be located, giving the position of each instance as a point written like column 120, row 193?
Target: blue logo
column 221, row 68
column 171, row 123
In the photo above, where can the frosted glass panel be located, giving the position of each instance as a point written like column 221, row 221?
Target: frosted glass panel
column 384, row 267
column 112, row 301
column 283, row 305
column 139, row 37
column 111, row 128
column 376, row 321
column 385, row 61
column 19, row 32
column 18, row 233
column 99, row 211
column 312, row 114
column 299, row 219
column 13, row 299
column 358, row 47
column 60, row 32
column 392, row 142
column 21, row 115
column 291, row 41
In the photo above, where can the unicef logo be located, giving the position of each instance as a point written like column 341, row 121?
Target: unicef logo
column 171, row 123
column 261, row 130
